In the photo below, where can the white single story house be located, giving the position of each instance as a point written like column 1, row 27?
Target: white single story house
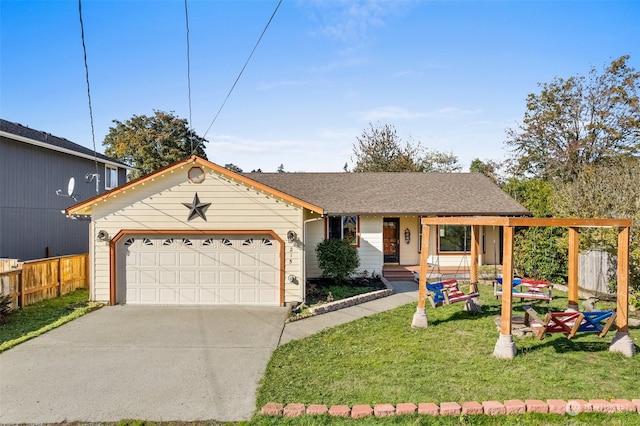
column 197, row 233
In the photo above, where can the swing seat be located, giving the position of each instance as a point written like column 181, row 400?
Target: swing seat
column 570, row 323
column 553, row 322
column 525, row 289
column 448, row 292
column 596, row 322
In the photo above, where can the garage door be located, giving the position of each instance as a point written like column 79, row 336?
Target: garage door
column 197, row 269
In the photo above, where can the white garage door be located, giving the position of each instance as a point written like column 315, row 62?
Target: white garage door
column 197, row 269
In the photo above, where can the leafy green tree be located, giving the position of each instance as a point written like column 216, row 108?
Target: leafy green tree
column 233, row 167
column 539, row 252
column 150, row 143
column 337, row 258
column 607, row 190
column 440, row 162
column 578, row 121
column 281, row 168
column 489, row 168
column 380, row 149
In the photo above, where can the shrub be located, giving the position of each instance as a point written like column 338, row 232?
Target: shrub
column 5, row 307
column 337, row 258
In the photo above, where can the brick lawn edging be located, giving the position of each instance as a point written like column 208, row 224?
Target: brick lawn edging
column 492, row 408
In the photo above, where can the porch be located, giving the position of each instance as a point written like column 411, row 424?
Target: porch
column 396, row 273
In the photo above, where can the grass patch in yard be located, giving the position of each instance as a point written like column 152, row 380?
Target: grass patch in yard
column 529, row 419
column 34, row 320
column 381, row 359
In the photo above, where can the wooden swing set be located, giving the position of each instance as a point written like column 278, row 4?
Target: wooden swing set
column 578, row 321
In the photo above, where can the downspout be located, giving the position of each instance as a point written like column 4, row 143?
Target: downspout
column 304, row 256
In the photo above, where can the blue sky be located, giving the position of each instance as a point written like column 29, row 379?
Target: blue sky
column 453, row 75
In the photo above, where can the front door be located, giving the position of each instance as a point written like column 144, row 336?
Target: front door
column 390, row 238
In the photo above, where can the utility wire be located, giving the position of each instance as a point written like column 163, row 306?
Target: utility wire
column 242, row 70
column 86, row 73
column 186, row 15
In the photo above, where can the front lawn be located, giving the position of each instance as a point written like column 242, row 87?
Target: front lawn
column 33, row 320
column 381, row 359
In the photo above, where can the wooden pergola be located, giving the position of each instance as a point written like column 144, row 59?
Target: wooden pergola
column 505, row 347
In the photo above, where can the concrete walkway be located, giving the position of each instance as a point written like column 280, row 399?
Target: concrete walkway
column 404, row 292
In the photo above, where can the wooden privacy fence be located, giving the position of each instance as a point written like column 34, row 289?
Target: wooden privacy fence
column 45, row 278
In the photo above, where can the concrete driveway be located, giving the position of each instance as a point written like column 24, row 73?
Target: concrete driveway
column 154, row 363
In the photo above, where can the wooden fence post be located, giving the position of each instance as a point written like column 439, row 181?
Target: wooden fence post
column 20, row 291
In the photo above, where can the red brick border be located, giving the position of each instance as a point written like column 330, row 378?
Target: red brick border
column 509, row 406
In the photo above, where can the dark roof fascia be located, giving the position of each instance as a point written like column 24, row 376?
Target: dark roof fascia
column 25, row 134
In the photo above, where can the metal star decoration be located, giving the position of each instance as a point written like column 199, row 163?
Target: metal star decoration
column 196, row 208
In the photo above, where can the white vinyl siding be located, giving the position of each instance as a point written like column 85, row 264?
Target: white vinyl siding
column 370, row 250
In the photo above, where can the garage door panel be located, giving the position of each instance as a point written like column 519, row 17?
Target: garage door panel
column 148, row 278
column 248, row 259
column 188, row 296
column 148, row 259
column 207, row 259
column 228, row 259
column 198, row 269
column 247, row 295
column 187, row 278
column 168, row 277
column 268, row 297
column 207, row 278
column 188, row 259
column 148, row 295
column 207, row 296
column 168, row 259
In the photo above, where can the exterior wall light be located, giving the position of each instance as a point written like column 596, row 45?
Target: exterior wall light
column 407, row 236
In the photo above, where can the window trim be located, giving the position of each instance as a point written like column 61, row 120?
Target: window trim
column 107, row 172
column 326, row 227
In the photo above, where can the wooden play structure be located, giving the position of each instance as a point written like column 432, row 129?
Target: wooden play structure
column 505, row 346
column 448, row 292
column 525, row 289
column 569, row 322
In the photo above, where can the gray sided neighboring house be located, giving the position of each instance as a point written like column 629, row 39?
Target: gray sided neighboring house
column 34, row 165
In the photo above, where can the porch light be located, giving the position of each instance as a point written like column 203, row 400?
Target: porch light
column 407, row 236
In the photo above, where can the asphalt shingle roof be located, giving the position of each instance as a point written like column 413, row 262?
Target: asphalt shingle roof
column 443, row 194
column 40, row 136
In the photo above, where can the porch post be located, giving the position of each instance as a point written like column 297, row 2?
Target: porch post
column 622, row 342
column 420, row 319
column 572, row 281
column 505, row 347
column 475, row 253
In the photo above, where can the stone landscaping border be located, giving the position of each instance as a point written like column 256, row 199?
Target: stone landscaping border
column 350, row 301
column 491, row 408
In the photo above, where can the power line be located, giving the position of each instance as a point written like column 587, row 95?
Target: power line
column 86, row 73
column 243, row 68
column 186, row 15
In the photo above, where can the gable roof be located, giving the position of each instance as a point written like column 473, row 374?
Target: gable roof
column 437, row 194
column 25, row 134
column 85, row 207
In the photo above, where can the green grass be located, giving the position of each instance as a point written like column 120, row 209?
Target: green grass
column 34, row 320
column 381, row 359
column 530, row 419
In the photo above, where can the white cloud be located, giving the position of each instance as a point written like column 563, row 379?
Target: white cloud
column 400, row 113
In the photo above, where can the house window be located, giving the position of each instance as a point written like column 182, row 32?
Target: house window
column 454, row 238
column 343, row 227
column 110, row 177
